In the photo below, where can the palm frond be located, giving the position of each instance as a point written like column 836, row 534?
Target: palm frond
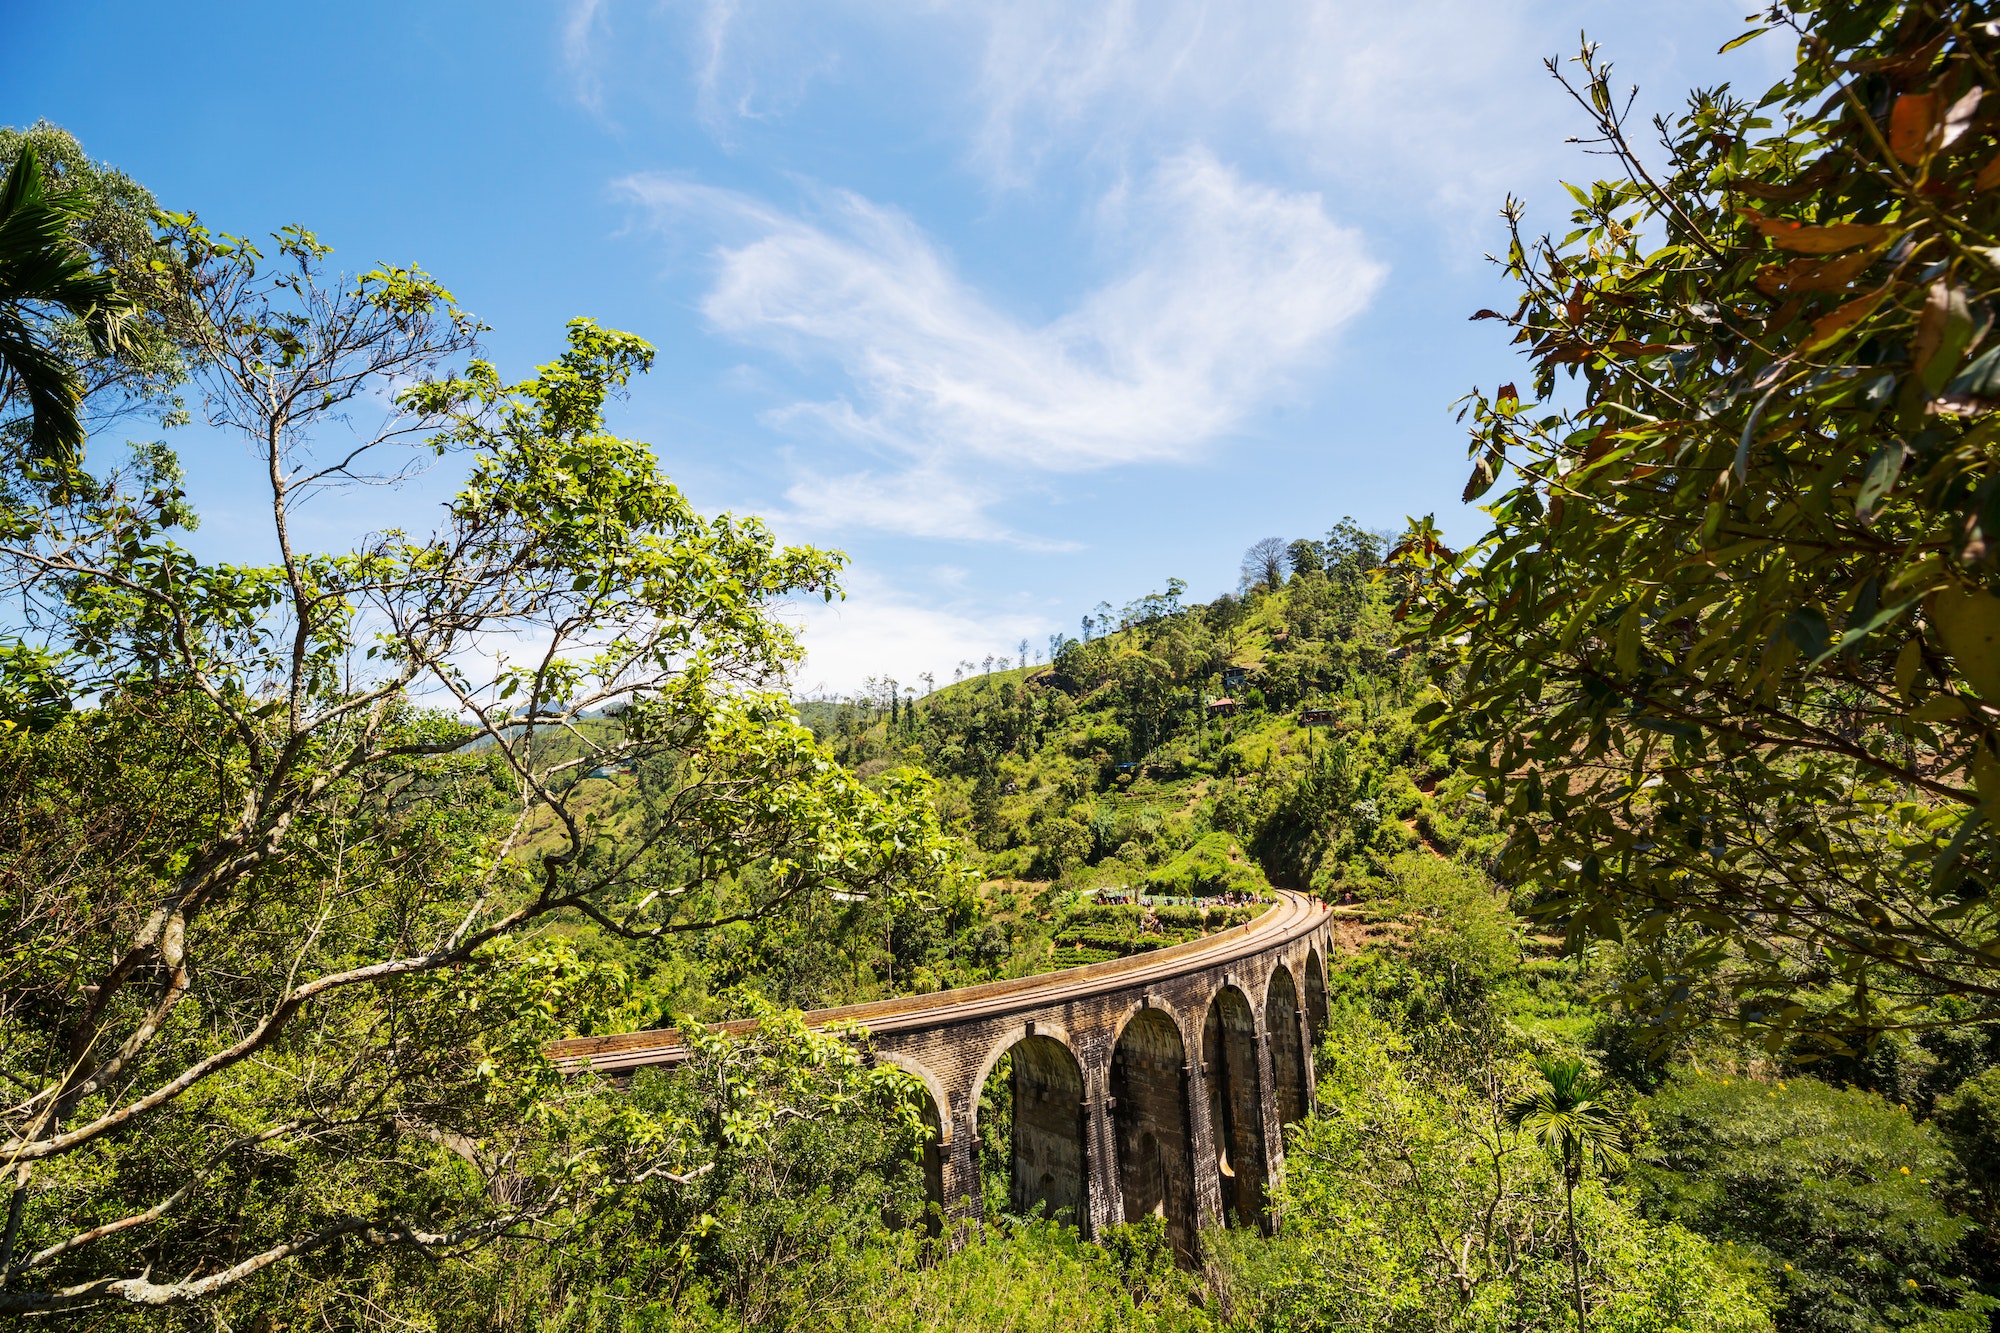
column 1567, row 1116
column 43, row 269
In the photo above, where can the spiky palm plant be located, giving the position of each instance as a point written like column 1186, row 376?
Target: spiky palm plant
column 47, row 281
column 1568, row 1118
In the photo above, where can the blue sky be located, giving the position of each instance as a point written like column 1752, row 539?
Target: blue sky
column 1025, row 306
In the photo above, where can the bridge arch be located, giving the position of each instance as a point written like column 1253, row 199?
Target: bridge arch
column 1284, row 1017
column 1149, row 1091
column 1315, row 996
column 1178, row 1015
column 1045, row 1138
column 1005, row 1042
column 937, row 1118
column 1235, row 1085
column 940, row 1100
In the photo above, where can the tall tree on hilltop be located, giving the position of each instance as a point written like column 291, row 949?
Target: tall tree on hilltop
column 1264, row 564
column 1351, row 551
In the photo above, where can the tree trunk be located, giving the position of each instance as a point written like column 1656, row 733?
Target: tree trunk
column 16, row 1200
column 1575, row 1266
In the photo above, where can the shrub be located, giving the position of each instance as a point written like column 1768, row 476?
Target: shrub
column 1034, row 1278
column 1408, row 1205
column 1831, row 1193
column 1458, row 924
column 1214, row 865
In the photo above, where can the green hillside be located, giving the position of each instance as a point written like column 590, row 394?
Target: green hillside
column 1192, row 751
column 1144, row 786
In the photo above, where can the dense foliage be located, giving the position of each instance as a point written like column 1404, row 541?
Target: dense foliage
column 1189, row 749
column 1731, row 642
column 281, row 953
column 1831, row 1193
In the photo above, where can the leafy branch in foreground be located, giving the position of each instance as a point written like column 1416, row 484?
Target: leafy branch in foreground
column 284, row 891
column 1733, row 644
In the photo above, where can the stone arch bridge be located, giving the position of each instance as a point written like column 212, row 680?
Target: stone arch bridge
column 1155, row 1084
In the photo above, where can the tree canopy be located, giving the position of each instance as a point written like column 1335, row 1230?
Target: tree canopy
column 280, row 886
column 1732, row 646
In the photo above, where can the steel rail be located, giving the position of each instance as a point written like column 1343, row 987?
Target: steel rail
column 1291, row 917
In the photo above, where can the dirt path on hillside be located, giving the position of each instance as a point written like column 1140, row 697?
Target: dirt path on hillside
column 1352, row 933
column 1422, row 841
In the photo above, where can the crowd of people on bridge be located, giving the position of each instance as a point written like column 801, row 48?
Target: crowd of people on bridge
column 1123, row 895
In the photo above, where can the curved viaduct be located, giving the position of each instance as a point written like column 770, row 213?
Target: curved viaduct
column 1155, row 1084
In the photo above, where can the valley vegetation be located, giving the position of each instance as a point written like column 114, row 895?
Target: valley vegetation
column 1658, row 821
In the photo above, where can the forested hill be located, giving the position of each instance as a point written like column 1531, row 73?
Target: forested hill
column 1197, row 753
column 1265, row 736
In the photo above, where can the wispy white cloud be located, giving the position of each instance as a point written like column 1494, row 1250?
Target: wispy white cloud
column 579, row 28
column 713, row 45
column 1221, row 155
column 1442, row 102
column 1430, row 97
column 1232, row 288
column 923, row 501
column 878, row 631
column 755, row 62
column 1440, row 99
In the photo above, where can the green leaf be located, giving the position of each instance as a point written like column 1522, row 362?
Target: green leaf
column 1943, row 334
column 1626, row 652
column 1884, row 466
column 1484, row 473
column 1981, row 379
column 1968, row 620
column 1941, row 708
column 1908, row 662
column 1574, row 628
column 1807, row 628
column 1853, row 634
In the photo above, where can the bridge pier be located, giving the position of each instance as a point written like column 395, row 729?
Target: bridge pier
column 1106, row 1203
column 1273, row 1132
column 959, row 1197
column 1310, row 1099
column 1201, row 1143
